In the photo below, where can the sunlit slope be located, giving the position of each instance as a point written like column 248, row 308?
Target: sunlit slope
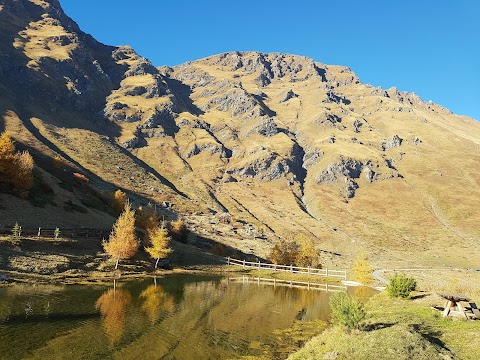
column 279, row 141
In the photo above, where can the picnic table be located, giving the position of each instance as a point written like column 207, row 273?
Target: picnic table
column 453, row 306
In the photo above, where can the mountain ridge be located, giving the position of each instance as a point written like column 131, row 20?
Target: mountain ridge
column 278, row 141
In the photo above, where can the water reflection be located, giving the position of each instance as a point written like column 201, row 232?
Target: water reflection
column 176, row 317
column 155, row 301
column 113, row 304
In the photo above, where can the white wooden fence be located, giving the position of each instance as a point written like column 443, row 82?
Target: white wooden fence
column 288, row 283
column 288, row 268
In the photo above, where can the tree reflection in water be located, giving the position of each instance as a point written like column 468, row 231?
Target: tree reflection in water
column 156, row 300
column 112, row 305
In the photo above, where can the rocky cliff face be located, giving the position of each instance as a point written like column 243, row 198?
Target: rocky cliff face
column 281, row 141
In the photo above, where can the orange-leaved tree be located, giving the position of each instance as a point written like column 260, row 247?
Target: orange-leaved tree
column 15, row 168
column 122, row 243
column 147, row 219
column 179, row 231
column 160, row 241
column 362, row 271
column 119, row 200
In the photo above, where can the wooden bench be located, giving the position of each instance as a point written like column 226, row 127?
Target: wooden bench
column 475, row 310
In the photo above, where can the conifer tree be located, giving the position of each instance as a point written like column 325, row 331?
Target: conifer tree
column 160, row 241
column 308, row 254
column 122, row 243
column 179, row 231
column 119, row 201
column 15, row 168
column 16, row 231
column 362, row 272
column 147, row 219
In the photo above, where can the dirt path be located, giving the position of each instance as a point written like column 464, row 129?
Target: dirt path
column 377, row 274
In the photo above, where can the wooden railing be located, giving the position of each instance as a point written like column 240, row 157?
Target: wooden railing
column 288, row 283
column 288, row 268
column 50, row 232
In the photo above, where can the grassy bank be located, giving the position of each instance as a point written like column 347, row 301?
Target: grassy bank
column 399, row 329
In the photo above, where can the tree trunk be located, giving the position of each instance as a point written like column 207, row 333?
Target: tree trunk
column 156, row 263
column 116, row 265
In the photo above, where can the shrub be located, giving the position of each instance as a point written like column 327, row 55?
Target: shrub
column 219, row 249
column 346, row 311
column 401, row 285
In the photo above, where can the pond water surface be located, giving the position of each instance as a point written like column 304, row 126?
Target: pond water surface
column 175, row 317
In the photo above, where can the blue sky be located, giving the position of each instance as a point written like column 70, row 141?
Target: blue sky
column 430, row 47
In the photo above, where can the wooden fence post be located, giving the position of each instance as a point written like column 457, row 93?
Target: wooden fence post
column 259, row 265
column 39, row 230
column 326, row 272
column 228, row 260
column 309, row 273
column 274, row 267
column 243, row 262
column 291, row 268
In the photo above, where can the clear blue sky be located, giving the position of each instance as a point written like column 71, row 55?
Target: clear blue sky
column 430, row 47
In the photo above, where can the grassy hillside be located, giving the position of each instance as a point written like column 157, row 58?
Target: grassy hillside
column 280, row 142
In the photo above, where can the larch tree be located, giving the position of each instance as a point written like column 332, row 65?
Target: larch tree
column 16, row 169
column 179, row 230
column 362, row 272
column 308, row 254
column 160, row 241
column 122, row 243
column 119, row 200
column 148, row 220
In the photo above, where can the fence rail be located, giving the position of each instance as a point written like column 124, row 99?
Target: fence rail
column 48, row 232
column 289, row 283
column 288, row 268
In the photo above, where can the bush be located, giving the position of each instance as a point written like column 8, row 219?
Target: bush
column 401, row 285
column 346, row 311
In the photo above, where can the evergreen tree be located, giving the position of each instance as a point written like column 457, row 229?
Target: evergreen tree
column 16, row 231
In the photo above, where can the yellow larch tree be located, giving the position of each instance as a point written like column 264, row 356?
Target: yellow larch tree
column 362, row 271
column 122, row 243
column 119, row 200
column 15, row 168
column 160, row 241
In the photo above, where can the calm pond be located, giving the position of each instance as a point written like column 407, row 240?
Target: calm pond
column 175, row 317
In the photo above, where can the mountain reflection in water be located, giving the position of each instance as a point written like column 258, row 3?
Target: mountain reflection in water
column 175, row 317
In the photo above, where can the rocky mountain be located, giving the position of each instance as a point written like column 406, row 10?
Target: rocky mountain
column 280, row 142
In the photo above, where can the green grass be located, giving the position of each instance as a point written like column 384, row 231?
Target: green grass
column 399, row 329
